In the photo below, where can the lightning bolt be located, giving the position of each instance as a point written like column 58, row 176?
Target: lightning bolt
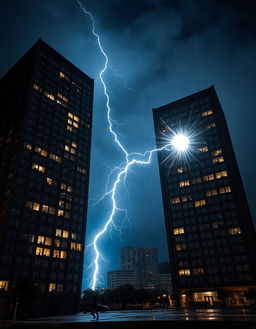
column 121, row 172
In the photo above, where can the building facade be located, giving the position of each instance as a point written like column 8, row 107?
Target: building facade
column 143, row 261
column 119, row 278
column 45, row 158
column 210, row 232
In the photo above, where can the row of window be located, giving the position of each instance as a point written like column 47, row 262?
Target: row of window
column 205, row 178
column 48, row 242
column 231, row 230
column 188, row 272
column 59, row 98
column 47, row 209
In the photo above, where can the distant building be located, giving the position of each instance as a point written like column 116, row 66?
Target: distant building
column 210, row 232
column 45, row 140
column 119, row 278
column 143, row 261
column 164, row 268
column 163, row 282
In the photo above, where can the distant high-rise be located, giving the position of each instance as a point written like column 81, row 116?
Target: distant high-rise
column 45, row 140
column 143, row 261
column 209, row 228
column 119, row 278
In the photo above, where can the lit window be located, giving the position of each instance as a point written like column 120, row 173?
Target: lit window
column 185, row 272
column 179, row 230
column 206, row 113
column 47, row 252
column 186, row 198
column 210, row 125
column 58, row 232
column 38, row 167
column 4, row 285
column 61, row 103
column 73, row 236
column 76, row 118
column 221, row 174
column 47, row 94
column 72, row 245
column 61, row 203
column 218, row 160
column 60, row 213
column 45, row 208
column 82, row 170
column 184, row 183
column 63, row 97
column 67, row 148
column 208, row 177
column 181, row 246
column 48, row 241
column 39, row 251
column 55, row 158
column 38, row 88
column 65, row 234
column 200, row 203
column 69, row 128
column 175, row 200
column 28, row 146
column 49, row 180
column 234, row 230
column 69, row 188
column 73, row 151
column 79, row 246
column 75, row 124
column 71, row 115
column 74, row 144
column 226, row 189
column 64, row 76
column 63, row 254
column 216, row 152
column 52, row 287
column 41, row 151
column 203, row 149
column 57, row 243
column 56, row 253
column 211, row 192
column 198, row 271
column 36, row 206
column 40, row 239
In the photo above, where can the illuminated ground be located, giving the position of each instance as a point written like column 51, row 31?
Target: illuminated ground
column 174, row 318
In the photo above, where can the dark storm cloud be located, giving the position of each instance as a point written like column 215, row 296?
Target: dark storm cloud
column 165, row 50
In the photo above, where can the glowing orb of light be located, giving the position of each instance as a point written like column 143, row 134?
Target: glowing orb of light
column 180, row 142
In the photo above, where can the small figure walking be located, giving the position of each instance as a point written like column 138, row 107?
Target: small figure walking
column 95, row 309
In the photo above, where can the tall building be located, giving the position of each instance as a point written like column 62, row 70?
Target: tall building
column 119, row 278
column 44, row 175
column 209, row 228
column 143, row 261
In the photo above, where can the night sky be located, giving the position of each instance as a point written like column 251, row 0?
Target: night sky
column 159, row 51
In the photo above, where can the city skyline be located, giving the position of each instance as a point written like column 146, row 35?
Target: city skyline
column 232, row 77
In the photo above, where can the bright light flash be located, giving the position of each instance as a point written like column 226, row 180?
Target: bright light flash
column 180, row 142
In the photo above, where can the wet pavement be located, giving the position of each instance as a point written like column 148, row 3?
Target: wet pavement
column 153, row 315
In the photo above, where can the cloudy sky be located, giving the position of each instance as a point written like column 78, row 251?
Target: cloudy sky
column 159, row 51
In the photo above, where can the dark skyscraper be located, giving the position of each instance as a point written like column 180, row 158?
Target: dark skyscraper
column 45, row 157
column 209, row 228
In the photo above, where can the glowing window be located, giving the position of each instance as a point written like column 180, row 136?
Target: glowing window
column 63, row 254
column 179, row 230
column 208, row 177
column 57, row 243
column 58, row 232
column 39, row 251
column 28, row 146
column 45, row 208
column 69, row 128
column 38, row 88
column 75, row 124
column 200, row 203
column 211, row 192
column 67, row 148
column 216, row 152
column 218, row 160
column 69, row 188
column 76, row 118
column 74, row 144
column 175, row 200
column 72, row 245
column 63, row 97
column 47, row 252
column 61, row 203
column 73, row 236
column 56, row 253
column 36, row 166
column 48, row 241
column 186, row 198
column 65, row 234
column 82, row 170
column 225, row 189
column 52, row 287
column 4, row 285
column 206, row 113
column 221, row 174
column 55, row 158
column 64, row 76
column 49, row 95
column 40, row 239
column 71, row 115
column 234, row 230
column 184, row 183
column 181, row 246
column 79, row 246
column 210, row 125
column 185, row 272
column 60, row 213
column 203, row 149
column 36, row 206
column 41, row 151
column 49, row 180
